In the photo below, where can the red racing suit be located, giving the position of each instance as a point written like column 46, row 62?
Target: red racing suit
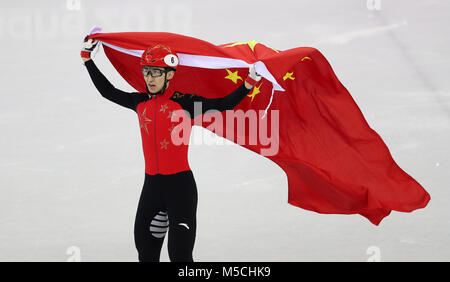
column 155, row 112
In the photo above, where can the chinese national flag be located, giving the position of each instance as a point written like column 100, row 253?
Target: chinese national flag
column 335, row 163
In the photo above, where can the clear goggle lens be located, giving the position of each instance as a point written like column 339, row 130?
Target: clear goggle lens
column 152, row 71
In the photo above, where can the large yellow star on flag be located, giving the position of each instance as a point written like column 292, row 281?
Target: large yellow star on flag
column 254, row 92
column 233, row 76
column 250, row 44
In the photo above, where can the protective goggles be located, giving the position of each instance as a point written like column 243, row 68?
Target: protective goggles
column 152, row 71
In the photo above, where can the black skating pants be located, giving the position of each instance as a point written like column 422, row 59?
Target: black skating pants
column 168, row 205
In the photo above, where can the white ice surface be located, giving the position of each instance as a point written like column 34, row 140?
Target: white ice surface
column 71, row 165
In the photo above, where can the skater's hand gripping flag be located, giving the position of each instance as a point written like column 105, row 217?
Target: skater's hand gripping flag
column 253, row 77
column 87, row 47
column 89, row 44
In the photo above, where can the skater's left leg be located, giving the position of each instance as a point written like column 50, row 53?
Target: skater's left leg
column 181, row 199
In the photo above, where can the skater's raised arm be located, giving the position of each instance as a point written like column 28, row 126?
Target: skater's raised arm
column 102, row 84
column 228, row 102
column 107, row 90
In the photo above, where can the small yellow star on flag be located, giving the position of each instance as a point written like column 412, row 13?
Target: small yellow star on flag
column 254, row 92
column 233, row 76
column 288, row 75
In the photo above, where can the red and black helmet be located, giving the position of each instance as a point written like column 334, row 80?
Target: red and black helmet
column 159, row 56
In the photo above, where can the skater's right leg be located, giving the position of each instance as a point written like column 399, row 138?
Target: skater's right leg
column 151, row 221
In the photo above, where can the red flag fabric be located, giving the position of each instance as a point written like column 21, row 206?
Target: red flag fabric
column 334, row 162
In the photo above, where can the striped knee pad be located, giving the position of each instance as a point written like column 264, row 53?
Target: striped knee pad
column 159, row 225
